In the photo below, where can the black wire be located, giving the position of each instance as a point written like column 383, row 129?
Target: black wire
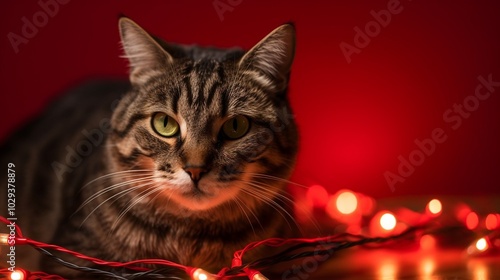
column 93, row 271
column 152, row 274
column 332, row 247
column 283, row 256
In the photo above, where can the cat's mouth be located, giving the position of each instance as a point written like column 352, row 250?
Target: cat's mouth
column 197, row 193
column 203, row 195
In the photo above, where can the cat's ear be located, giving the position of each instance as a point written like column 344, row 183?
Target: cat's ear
column 145, row 55
column 272, row 57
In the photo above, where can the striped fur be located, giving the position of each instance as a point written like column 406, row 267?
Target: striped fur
column 141, row 201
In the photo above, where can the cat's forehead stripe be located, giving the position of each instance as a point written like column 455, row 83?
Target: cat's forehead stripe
column 175, row 101
column 224, row 100
column 131, row 123
column 211, row 93
column 187, row 87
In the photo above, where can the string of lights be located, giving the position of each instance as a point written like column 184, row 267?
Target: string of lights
column 328, row 244
column 382, row 229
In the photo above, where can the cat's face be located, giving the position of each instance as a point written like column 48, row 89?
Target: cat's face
column 206, row 126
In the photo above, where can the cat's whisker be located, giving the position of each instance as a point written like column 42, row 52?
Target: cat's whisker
column 135, row 172
column 237, row 202
column 285, row 199
column 265, row 190
column 160, row 189
column 117, row 195
column 138, row 198
column 275, row 178
column 252, row 212
column 108, row 145
column 240, row 205
column 113, row 187
column 274, row 191
column 264, row 197
column 282, row 198
column 169, row 195
column 125, row 183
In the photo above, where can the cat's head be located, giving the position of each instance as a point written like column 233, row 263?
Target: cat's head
column 208, row 125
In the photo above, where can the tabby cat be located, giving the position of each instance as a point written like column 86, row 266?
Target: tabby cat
column 186, row 161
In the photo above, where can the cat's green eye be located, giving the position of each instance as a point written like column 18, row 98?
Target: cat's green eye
column 164, row 125
column 236, row 127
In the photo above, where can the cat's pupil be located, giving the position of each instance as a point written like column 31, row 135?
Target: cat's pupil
column 235, row 125
column 165, row 121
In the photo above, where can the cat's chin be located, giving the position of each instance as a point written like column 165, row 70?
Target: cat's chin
column 196, row 199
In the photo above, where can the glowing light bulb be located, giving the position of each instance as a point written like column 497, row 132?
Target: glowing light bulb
column 435, row 207
column 4, row 238
column 491, row 222
column 471, row 221
column 317, row 196
column 388, row 221
column 346, row 202
column 17, row 275
column 481, row 244
column 461, row 212
column 200, row 274
column 258, row 276
column 427, row 242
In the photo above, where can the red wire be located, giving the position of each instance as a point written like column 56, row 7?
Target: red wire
column 237, row 260
column 8, row 222
column 20, row 239
column 130, row 264
column 38, row 275
column 278, row 242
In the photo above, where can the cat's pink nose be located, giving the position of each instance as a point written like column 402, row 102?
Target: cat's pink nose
column 195, row 172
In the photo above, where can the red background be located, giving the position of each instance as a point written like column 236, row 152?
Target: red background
column 355, row 118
